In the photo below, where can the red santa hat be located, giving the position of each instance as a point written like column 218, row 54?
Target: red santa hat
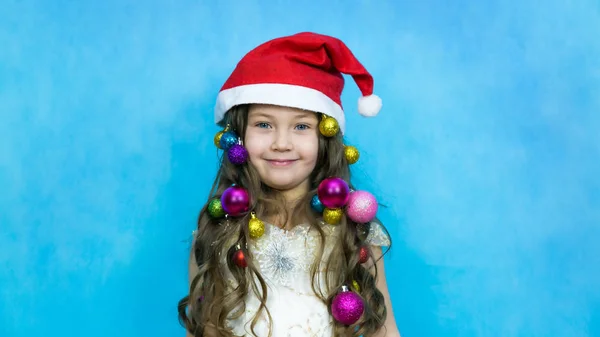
column 301, row 71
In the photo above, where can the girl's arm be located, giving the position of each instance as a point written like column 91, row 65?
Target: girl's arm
column 390, row 329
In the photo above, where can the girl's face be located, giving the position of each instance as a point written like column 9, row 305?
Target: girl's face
column 283, row 145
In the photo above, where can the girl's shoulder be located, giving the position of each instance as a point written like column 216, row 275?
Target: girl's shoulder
column 377, row 235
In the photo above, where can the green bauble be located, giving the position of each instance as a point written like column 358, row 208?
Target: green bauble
column 215, row 209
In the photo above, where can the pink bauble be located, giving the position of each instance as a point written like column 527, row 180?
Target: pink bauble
column 362, row 207
column 347, row 307
column 333, row 192
column 235, row 201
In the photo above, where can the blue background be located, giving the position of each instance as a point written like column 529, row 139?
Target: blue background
column 487, row 153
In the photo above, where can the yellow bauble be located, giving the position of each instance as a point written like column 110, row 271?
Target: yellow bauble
column 352, row 154
column 356, row 286
column 329, row 126
column 332, row 216
column 217, row 139
column 256, row 227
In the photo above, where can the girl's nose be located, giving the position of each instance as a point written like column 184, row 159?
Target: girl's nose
column 282, row 141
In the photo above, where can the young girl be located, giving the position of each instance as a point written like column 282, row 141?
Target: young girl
column 285, row 245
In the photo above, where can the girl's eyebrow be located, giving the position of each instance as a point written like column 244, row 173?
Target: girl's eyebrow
column 263, row 115
column 303, row 115
column 260, row 114
column 308, row 120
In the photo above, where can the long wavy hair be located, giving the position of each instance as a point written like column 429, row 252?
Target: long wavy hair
column 210, row 302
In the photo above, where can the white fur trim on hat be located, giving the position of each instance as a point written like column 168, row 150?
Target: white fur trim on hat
column 293, row 96
column 369, row 106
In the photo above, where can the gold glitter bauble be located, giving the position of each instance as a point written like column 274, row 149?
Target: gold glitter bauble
column 355, row 285
column 352, row 154
column 256, row 227
column 329, row 126
column 332, row 216
column 217, row 139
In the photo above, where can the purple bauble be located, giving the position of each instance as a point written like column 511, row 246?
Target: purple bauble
column 235, row 201
column 347, row 307
column 333, row 192
column 237, row 154
column 362, row 207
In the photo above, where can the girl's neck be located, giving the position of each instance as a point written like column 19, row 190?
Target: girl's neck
column 292, row 220
column 294, row 195
column 280, row 219
column 291, row 199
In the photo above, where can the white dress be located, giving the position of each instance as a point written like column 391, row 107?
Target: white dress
column 284, row 259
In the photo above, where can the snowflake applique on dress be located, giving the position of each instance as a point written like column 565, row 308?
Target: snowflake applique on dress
column 277, row 261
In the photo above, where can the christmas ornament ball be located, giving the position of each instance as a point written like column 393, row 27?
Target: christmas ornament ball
column 235, row 201
column 355, row 285
column 333, row 192
column 228, row 139
column 347, row 307
column 351, row 154
column 316, row 204
column 237, row 154
column 256, row 227
column 239, row 258
column 217, row 139
column 361, row 207
column 329, row 127
column 215, row 209
column 332, row 216
column 363, row 255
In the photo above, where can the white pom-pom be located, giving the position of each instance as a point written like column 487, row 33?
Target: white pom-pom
column 369, row 106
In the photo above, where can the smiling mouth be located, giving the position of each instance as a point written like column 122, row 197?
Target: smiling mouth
column 281, row 162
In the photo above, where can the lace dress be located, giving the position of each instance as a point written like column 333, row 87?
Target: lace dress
column 284, row 258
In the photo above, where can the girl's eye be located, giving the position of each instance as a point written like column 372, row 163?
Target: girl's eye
column 262, row 125
column 302, row 127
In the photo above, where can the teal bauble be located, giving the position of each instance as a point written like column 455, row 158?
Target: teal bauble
column 228, row 139
column 316, row 204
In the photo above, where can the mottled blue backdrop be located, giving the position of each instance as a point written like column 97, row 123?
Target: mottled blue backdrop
column 487, row 154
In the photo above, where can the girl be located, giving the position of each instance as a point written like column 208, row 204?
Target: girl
column 285, row 246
